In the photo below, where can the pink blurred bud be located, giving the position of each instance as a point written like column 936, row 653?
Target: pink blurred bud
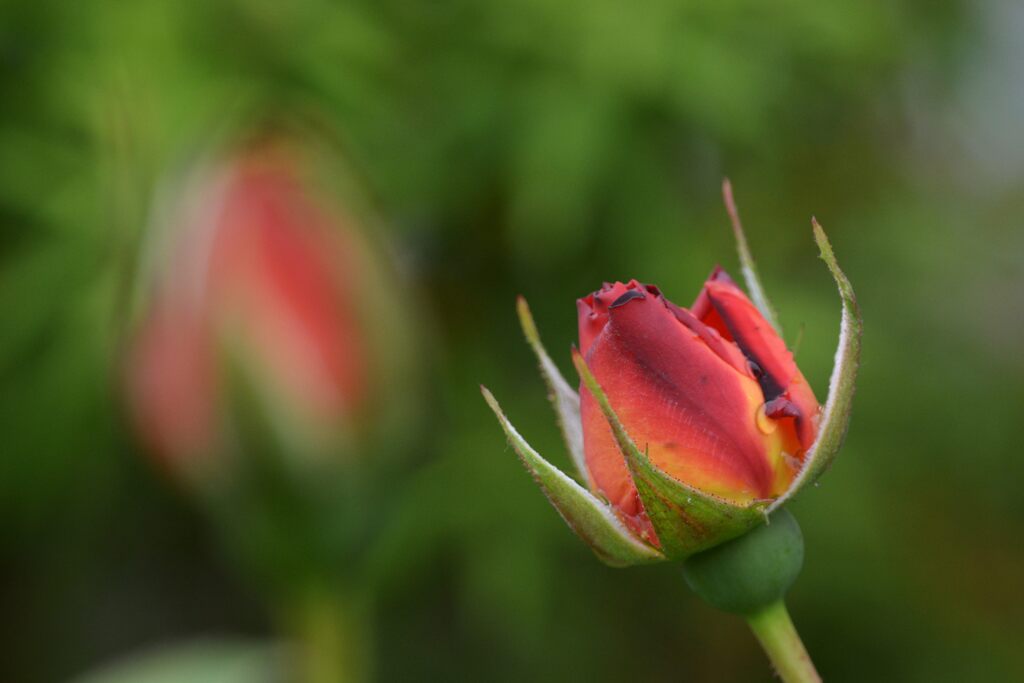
column 258, row 269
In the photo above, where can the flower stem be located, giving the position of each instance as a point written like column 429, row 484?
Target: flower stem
column 332, row 638
column 775, row 630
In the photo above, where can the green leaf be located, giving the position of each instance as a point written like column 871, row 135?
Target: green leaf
column 591, row 519
column 563, row 397
column 687, row 520
column 836, row 416
column 200, row 661
column 747, row 265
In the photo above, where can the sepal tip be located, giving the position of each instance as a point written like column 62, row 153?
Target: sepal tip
column 564, row 398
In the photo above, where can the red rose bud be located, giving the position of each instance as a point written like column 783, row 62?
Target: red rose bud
column 707, row 408
column 690, row 426
column 260, row 271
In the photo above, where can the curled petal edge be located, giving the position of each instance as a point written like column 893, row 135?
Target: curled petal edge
column 747, row 265
column 591, row 519
column 835, row 417
column 563, row 397
column 685, row 519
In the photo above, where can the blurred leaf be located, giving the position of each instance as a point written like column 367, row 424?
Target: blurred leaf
column 207, row 661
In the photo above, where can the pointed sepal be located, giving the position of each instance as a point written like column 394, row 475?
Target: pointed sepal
column 747, row 265
column 835, row 417
column 591, row 519
column 563, row 397
column 685, row 519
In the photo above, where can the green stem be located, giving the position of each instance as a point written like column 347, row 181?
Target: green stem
column 332, row 637
column 775, row 630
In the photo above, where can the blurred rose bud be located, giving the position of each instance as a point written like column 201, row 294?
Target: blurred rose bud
column 259, row 282
column 690, row 426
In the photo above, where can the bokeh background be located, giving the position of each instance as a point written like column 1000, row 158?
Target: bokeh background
column 538, row 148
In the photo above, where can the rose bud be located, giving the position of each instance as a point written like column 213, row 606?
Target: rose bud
column 690, row 425
column 262, row 293
column 269, row 371
column 705, row 393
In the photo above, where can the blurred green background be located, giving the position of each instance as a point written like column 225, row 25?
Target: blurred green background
column 541, row 147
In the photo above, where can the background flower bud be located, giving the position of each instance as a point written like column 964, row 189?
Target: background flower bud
column 258, row 282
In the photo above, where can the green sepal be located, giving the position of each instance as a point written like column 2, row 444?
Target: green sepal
column 686, row 519
column 747, row 265
column 835, row 417
column 563, row 397
column 593, row 520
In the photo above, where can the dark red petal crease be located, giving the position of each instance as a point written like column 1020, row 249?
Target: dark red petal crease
column 723, row 306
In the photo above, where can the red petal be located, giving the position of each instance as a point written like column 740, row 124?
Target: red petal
column 593, row 308
column 285, row 268
column 171, row 385
column 723, row 306
column 686, row 404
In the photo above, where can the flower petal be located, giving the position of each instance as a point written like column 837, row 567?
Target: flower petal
column 724, row 306
column 686, row 519
column 593, row 309
column 693, row 413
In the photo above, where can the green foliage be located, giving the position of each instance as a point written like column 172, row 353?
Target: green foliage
column 535, row 148
column 207, row 661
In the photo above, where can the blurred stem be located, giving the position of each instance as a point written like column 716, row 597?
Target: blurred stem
column 332, row 634
column 775, row 630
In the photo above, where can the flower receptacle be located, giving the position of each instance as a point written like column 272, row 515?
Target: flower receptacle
column 749, row 573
